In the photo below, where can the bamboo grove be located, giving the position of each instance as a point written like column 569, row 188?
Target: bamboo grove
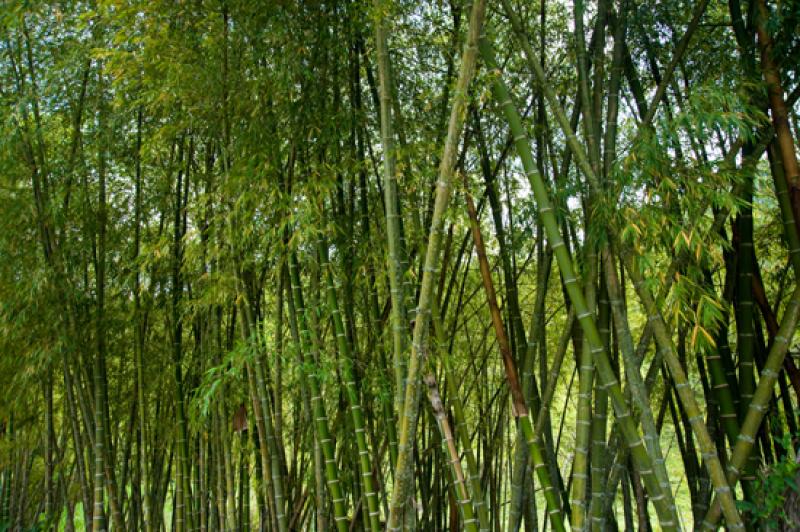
column 394, row 265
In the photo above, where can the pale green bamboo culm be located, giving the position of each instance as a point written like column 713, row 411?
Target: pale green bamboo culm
column 399, row 334
column 603, row 366
column 404, row 471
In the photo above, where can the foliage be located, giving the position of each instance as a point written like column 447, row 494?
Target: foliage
column 776, row 486
column 172, row 173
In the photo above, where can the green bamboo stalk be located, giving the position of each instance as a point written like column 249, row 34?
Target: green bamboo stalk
column 216, row 458
column 373, row 312
column 722, row 391
column 403, row 489
column 686, row 395
column 399, row 329
column 745, row 339
column 100, row 383
column 98, row 513
column 139, row 333
column 182, row 495
column 583, row 422
column 745, row 333
column 637, row 387
column 615, row 84
column 298, row 314
column 308, row 412
column 461, row 427
column 576, row 295
column 5, row 487
column 351, row 392
column 599, row 420
column 224, row 489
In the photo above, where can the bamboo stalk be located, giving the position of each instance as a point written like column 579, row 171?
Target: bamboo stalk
column 686, row 395
column 399, row 329
column 403, row 470
column 351, row 392
column 298, row 315
column 519, row 404
column 576, row 295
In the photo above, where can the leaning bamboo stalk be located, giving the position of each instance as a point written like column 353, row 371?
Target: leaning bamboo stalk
column 519, row 404
column 576, row 295
column 461, row 428
column 403, row 489
column 454, row 461
column 637, row 386
column 686, row 395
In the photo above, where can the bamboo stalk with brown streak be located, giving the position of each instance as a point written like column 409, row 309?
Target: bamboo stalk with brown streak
column 519, row 405
column 403, row 490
